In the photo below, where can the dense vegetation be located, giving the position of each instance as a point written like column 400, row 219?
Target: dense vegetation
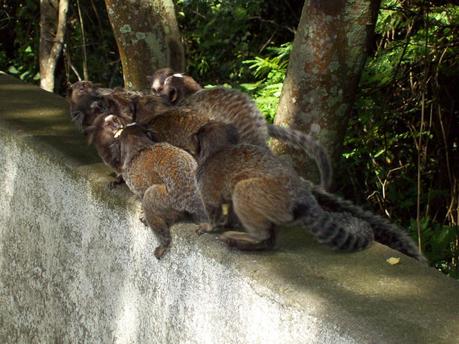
column 401, row 149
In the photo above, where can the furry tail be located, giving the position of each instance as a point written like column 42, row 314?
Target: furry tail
column 307, row 143
column 341, row 231
column 384, row 232
column 231, row 107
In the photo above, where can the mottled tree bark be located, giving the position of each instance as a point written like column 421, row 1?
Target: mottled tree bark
column 53, row 23
column 328, row 56
column 148, row 38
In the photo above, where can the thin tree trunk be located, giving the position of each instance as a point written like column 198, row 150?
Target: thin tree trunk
column 148, row 38
column 328, row 56
column 53, row 23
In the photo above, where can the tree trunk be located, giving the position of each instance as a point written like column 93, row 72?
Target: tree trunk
column 328, row 56
column 148, row 38
column 53, row 23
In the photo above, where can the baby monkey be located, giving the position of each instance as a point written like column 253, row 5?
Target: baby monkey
column 265, row 194
column 173, row 86
column 162, row 176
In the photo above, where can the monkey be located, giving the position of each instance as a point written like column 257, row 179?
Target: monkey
column 162, row 176
column 227, row 105
column 101, row 134
column 81, row 96
column 235, row 107
column 264, row 194
column 174, row 86
column 90, row 106
column 244, row 176
column 87, row 101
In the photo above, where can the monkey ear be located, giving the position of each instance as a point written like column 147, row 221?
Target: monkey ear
column 197, row 145
column 172, row 94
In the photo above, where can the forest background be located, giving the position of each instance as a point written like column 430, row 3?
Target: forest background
column 401, row 146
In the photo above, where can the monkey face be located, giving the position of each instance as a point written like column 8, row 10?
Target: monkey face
column 103, row 135
column 158, row 78
column 86, row 102
column 80, row 97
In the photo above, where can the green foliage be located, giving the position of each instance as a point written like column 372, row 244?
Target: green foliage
column 102, row 55
column 20, row 39
column 407, row 124
column 19, row 26
column 270, row 72
column 219, row 35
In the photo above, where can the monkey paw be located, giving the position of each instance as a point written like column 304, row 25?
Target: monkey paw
column 115, row 183
column 243, row 241
column 204, row 228
column 160, row 251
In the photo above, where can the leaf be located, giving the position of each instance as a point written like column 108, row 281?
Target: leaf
column 13, row 70
column 393, row 260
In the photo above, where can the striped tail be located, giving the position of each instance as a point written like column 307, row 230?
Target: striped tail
column 308, row 144
column 341, row 231
column 384, row 231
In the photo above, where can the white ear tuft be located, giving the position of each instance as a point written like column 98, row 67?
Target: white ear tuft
column 109, row 118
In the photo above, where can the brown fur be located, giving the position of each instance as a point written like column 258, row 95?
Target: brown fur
column 83, row 98
column 236, row 108
column 87, row 101
column 265, row 194
column 90, row 106
column 101, row 135
column 163, row 177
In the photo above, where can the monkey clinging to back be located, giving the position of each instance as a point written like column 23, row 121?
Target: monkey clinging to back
column 265, row 194
column 236, row 108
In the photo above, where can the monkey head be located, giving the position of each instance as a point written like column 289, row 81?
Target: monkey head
column 173, row 86
column 213, row 137
column 103, row 134
column 88, row 101
column 158, row 78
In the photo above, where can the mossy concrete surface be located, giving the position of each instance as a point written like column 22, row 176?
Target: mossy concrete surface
column 77, row 266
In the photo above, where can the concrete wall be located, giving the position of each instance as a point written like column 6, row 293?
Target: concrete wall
column 78, row 267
